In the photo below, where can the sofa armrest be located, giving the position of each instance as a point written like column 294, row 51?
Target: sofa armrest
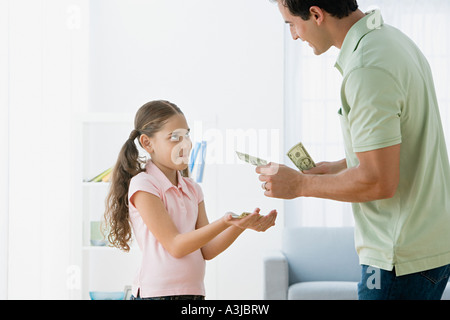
column 276, row 276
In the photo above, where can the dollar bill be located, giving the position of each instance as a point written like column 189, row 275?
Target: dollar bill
column 251, row 159
column 300, row 157
column 242, row 215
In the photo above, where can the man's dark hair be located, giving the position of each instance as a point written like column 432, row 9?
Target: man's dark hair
column 337, row 8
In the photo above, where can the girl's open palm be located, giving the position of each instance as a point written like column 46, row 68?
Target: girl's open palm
column 254, row 221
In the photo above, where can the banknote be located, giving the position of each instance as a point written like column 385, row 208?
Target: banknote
column 242, row 215
column 300, row 157
column 251, row 159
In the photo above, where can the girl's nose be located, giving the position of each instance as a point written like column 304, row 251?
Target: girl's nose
column 186, row 142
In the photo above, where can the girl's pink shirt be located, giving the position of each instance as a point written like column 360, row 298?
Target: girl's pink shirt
column 160, row 274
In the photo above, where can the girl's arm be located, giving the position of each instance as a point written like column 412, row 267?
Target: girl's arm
column 220, row 242
column 178, row 244
column 227, row 237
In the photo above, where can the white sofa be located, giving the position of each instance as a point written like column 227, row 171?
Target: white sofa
column 315, row 264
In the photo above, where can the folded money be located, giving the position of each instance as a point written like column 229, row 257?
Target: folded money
column 300, row 157
column 242, row 215
column 251, row 159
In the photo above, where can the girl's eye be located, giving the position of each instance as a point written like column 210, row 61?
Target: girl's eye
column 176, row 136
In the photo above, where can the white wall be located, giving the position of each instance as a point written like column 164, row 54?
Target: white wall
column 4, row 145
column 45, row 87
column 221, row 62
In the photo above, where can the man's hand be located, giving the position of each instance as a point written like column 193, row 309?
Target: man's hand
column 280, row 181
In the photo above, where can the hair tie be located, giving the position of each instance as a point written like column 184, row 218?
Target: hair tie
column 134, row 134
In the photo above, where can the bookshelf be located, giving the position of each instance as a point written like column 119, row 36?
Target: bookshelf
column 96, row 267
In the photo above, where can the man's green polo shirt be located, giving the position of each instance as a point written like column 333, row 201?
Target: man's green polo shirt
column 388, row 98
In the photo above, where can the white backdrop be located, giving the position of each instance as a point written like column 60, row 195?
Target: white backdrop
column 4, row 146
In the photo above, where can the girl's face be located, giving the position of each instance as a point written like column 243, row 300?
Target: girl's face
column 171, row 146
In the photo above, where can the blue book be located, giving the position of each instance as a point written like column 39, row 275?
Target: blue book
column 194, row 156
column 201, row 166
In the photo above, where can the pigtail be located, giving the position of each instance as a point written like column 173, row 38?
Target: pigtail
column 185, row 173
column 116, row 214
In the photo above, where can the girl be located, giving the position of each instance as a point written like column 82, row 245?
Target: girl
column 166, row 210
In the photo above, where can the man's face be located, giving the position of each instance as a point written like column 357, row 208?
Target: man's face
column 309, row 30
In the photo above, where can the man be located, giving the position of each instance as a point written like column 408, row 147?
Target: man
column 396, row 172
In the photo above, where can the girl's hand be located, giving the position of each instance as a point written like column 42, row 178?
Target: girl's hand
column 242, row 223
column 253, row 221
column 264, row 222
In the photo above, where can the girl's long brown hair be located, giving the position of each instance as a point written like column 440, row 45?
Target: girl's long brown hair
column 150, row 118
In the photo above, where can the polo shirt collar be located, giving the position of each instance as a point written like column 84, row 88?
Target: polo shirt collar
column 373, row 20
column 154, row 171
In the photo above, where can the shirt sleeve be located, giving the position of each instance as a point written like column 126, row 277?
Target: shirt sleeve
column 375, row 103
column 198, row 192
column 142, row 182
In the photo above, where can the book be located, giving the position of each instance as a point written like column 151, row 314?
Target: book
column 194, row 156
column 201, row 166
column 104, row 175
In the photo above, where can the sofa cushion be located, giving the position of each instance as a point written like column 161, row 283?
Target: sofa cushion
column 321, row 254
column 324, row 290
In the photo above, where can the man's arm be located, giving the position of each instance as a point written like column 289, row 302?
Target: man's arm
column 328, row 167
column 376, row 177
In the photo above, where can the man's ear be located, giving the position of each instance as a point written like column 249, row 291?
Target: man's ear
column 146, row 143
column 317, row 14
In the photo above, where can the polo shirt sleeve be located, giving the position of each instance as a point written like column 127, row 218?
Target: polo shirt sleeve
column 375, row 102
column 198, row 192
column 143, row 182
